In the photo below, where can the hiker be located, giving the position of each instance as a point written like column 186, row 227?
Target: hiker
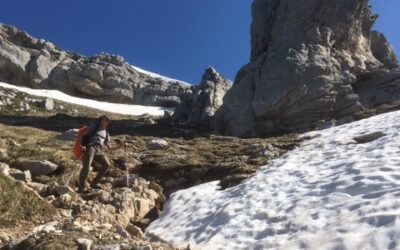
column 96, row 137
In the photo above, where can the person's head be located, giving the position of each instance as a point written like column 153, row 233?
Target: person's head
column 103, row 121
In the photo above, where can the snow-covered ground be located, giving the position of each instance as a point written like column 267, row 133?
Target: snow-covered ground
column 117, row 108
column 154, row 75
column 330, row 193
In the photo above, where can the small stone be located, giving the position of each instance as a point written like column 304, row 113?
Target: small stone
column 50, row 198
column 148, row 247
column 121, row 231
column 4, row 169
column 25, row 106
column 65, row 199
column 142, row 206
column 61, row 190
column 3, row 153
column 48, row 227
column 109, row 247
column 104, row 197
column 135, row 231
column 49, row 104
column 84, row 244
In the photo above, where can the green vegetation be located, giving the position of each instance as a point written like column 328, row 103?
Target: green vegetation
column 17, row 204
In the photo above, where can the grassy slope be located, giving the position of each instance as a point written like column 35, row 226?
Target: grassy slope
column 19, row 204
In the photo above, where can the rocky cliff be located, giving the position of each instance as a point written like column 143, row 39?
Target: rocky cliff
column 206, row 98
column 35, row 63
column 311, row 61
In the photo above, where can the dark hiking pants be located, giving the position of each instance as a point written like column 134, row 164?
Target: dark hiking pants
column 93, row 154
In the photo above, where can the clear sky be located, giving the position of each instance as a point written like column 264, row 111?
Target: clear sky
column 175, row 38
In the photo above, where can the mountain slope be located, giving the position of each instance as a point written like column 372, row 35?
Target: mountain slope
column 36, row 63
column 330, row 193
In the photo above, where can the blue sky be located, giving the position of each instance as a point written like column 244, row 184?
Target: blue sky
column 176, row 38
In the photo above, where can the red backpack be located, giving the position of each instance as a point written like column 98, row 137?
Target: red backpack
column 77, row 149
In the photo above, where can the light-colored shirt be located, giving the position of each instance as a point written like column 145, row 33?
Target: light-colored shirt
column 100, row 138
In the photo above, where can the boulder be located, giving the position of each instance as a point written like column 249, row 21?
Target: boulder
column 68, row 135
column 105, row 77
column 84, row 244
column 157, row 144
column 19, row 175
column 38, row 167
column 309, row 61
column 369, row 137
column 207, row 97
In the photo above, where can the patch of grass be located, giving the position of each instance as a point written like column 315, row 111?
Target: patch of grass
column 18, row 203
column 27, row 151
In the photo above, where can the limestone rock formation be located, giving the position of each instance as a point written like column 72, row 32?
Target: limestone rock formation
column 311, row 60
column 25, row 60
column 207, row 97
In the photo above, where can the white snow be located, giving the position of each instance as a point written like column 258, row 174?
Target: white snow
column 117, row 108
column 154, row 75
column 330, row 193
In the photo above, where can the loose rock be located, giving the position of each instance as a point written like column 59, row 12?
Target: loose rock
column 157, row 144
column 84, row 244
column 38, row 167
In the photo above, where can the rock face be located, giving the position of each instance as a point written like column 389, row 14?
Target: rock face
column 207, row 97
column 25, row 60
column 311, row 60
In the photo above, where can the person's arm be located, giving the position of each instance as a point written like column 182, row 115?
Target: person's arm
column 111, row 147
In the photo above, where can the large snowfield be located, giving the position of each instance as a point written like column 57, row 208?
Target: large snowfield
column 329, row 193
column 117, row 108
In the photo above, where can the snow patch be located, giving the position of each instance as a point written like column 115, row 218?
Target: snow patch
column 154, row 75
column 117, row 108
column 330, row 193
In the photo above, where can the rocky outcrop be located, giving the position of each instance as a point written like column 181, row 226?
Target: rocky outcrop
column 35, row 63
column 311, row 60
column 207, row 97
column 382, row 50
